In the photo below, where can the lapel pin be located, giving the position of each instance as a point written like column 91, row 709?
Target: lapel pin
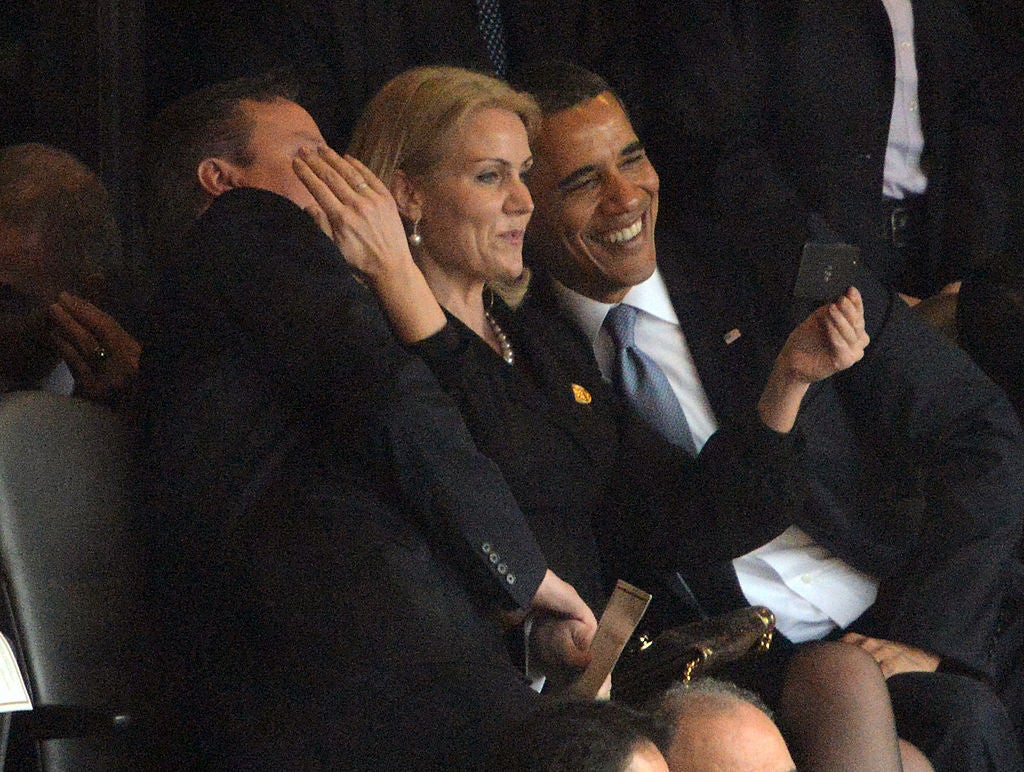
column 581, row 395
column 732, row 336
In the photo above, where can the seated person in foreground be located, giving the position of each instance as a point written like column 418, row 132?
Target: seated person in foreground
column 332, row 554
column 58, row 238
column 908, row 539
column 449, row 148
column 717, row 725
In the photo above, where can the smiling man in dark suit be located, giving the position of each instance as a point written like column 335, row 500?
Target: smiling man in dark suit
column 914, row 458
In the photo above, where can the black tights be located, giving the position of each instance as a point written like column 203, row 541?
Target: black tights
column 836, row 714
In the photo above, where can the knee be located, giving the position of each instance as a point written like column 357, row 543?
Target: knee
column 832, row 676
column 828, row 665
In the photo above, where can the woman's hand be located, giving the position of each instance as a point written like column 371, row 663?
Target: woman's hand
column 563, row 627
column 562, row 630
column 357, row 210
column 831, row 339
column 360, row 215
column 103, row 357
column 894, row 657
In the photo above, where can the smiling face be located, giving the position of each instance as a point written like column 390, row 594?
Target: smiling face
column 597, row 200
column 474, row 206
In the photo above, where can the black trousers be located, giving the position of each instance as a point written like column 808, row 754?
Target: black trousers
column 957, row 721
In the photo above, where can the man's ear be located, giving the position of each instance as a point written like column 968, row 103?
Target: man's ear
column 217, row 176
column 407, row 196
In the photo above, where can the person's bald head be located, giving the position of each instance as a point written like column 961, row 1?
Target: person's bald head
column 718, row 726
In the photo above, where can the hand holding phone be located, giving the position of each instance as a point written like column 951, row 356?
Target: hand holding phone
column 826, row 272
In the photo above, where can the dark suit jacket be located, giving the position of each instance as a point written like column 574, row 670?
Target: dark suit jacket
column 917, row 472
column 823, row 76
column 557, row 476
column 914, row 461
column 760, row 115
column 607, row 496
column 323, row 524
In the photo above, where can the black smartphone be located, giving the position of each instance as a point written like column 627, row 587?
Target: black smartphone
column 826, row 272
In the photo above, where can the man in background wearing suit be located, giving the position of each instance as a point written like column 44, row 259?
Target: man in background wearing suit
column 914, row 457
column 58, row 236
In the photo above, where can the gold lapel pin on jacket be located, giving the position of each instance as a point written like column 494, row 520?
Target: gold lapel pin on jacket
column 581, row 395
column 732, row 336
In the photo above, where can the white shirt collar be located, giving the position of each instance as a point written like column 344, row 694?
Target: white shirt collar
column 651, row 295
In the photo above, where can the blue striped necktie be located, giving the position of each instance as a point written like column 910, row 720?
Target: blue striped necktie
column 643, row 383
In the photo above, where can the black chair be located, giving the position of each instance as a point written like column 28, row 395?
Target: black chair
column 72, row 584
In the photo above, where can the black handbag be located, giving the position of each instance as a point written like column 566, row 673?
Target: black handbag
column 648, row 666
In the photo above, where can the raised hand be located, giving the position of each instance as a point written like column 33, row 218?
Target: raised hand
column 359, row 213
column 357, row 210
column 831, row 339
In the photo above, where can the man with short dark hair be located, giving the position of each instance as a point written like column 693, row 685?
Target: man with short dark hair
column 577, row 736
column 914, row 458
column 215, row 123
column 333, row 553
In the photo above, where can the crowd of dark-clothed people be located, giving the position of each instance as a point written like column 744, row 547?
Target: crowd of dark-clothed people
column 405, row 413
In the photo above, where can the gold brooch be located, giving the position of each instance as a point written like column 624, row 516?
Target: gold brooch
column 581, row 395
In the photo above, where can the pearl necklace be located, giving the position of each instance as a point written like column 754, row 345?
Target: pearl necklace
column 503, row 342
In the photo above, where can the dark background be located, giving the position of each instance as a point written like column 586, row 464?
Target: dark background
column 86, row 75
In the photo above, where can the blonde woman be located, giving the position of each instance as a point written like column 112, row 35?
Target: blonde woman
column 435, row 211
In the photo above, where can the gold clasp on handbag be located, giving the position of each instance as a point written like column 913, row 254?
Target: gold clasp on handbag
column 696, row 663
column 768, row 618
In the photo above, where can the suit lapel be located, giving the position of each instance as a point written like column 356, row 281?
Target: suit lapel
column 723, row 347
column 564, row 368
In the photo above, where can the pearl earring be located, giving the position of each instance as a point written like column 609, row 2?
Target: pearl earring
column 415, row 239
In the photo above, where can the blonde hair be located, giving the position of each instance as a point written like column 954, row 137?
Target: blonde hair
column 411, row 120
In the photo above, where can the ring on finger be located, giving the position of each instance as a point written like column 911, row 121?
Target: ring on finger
column 361, row 185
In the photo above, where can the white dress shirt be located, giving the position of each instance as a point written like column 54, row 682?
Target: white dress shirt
column 903, row 174
column 657, row 334
column 809, row 590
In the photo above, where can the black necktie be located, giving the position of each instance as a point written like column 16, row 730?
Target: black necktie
column 493, row 30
